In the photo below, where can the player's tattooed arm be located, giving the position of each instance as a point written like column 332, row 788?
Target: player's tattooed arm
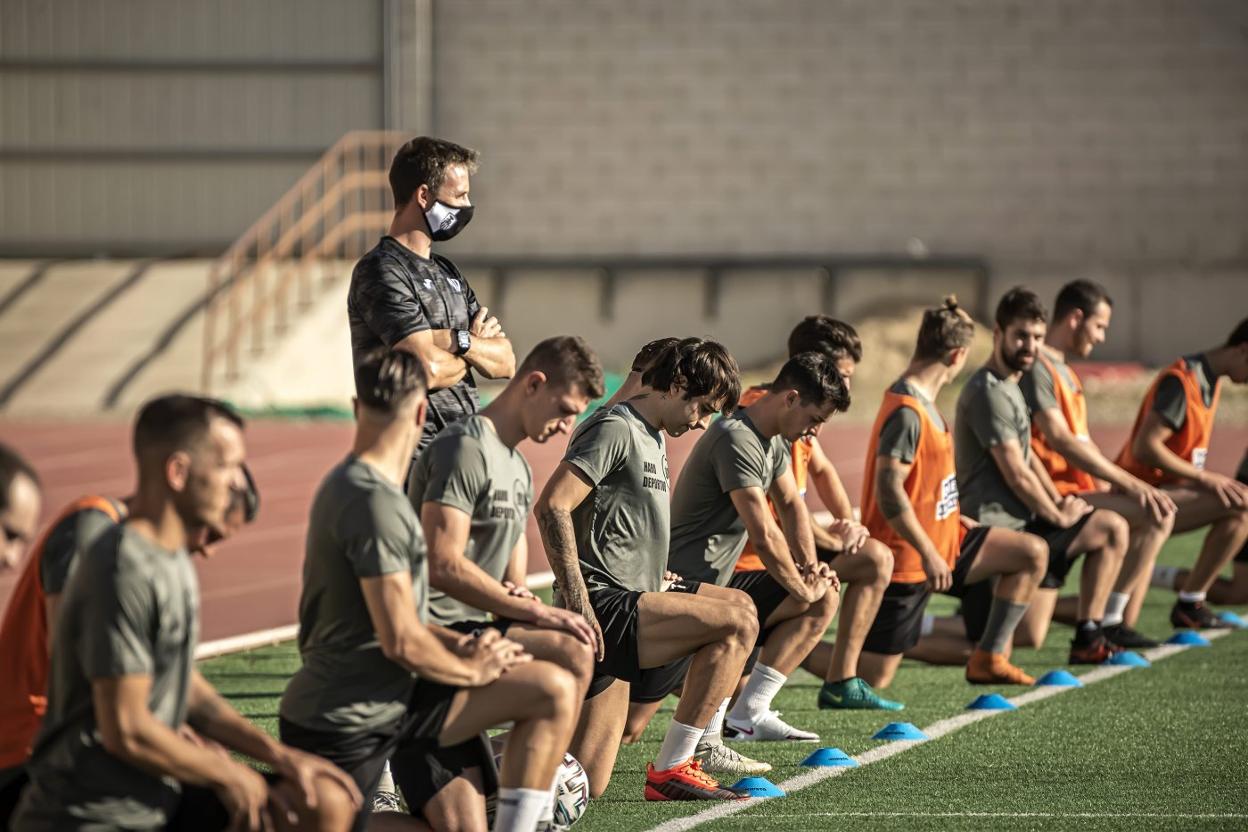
column 566, row 489
column 895, row 505
column 890, row 491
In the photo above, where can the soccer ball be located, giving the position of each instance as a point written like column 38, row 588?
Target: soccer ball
column 571, row 792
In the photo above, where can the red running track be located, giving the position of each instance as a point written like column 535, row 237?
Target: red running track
column 252, row 582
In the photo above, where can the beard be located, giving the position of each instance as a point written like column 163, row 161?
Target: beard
column 1019, row 362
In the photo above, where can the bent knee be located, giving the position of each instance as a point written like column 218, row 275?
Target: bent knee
column 1116, row 528
column 558, row 690
column 881, row 558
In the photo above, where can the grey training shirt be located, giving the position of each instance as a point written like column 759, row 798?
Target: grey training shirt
column 361, row 526
column 130, row 607
column 622, row 527
column 470, row 469
column 707, row 533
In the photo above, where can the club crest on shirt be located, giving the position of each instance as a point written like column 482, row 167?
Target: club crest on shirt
column 454, row 284
column 1199, row 456
column 428, row 283
column 948, row 502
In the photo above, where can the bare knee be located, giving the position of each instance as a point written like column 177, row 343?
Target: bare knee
column 1036, row 555
column 558, row 693
column 881, row 559
column 740, row 618
column 579, row 659
column 1117, row 533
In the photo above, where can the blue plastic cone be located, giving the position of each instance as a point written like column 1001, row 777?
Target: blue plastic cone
column 1129, row 658
column 829, row 758
column 991, row 702
column 758, row 787
column 899, row 731
column 1234, row 620
column 1059, row 678
column 1188, row 638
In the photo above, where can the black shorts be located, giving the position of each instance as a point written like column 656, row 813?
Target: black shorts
column 420, row 766
column 899, row 623
column 12, row 781
column 201, row 810
column 766, row 593
column 1061, row 559
column 472, row 628
column 616, row 610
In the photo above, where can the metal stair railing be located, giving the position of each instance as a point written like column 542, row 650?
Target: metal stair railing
column 334, row 212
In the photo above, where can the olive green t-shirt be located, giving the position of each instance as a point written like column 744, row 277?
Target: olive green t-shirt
column 991, row 410
column 467, row 467
column 361, row 526
column 1040, row 388
column 130, row 607
column 66, row 541
column 900, row 433
column 707, row 533
column 1170, row 401
column 622, row 527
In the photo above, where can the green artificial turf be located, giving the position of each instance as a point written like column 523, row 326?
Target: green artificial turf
column 1136, row 752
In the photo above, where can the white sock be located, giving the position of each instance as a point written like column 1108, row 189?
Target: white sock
column 927, row 625
column 548, row 812
column 1164, row 576
column 519, row 810
column 713, row 735
column 760, row 689
column 679, row 744
column 1114, row 608
column 1192, row 597
column 386, row 784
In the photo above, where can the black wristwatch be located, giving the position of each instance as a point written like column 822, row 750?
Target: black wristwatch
column 463, row 341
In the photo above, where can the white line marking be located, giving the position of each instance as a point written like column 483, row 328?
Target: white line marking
column 934, row 731
column 263, row 638
column 1192, row 816
column 247, row 641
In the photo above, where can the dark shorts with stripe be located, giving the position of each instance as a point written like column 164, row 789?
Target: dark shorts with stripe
column 420, row 766
column 617, row 614
column 1059, row 540
column 899, row 623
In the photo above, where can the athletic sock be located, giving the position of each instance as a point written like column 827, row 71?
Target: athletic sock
column 1086, row 631
column 519, row 809
column 546, row 819
column 714, row 733
column 1192, row 597
column 679, row 744
column 1115, row 607
column 386, row 783
column 927, row 625
column 1164, row 577
column 760, row 689
column 1003, row 618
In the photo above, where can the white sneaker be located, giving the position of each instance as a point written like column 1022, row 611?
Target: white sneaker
column 718, row 758
column 771, row 728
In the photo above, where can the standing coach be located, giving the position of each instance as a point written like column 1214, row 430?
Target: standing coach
column 405, row 297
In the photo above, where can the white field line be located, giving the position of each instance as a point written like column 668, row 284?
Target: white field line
column 934, row 731
column 1184, row 816
column 263, row 638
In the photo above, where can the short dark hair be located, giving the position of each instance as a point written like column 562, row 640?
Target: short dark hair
column 701, row 368
column 823, row 333
column 1020, row 304
column 1084, row 295
column 178, row 421
column 947, row 327
column 424, row 161
column 816, row 379
column 1239, row 335
column 12, row 466
column 646, row 355
column 385, row 379
column 566, row 359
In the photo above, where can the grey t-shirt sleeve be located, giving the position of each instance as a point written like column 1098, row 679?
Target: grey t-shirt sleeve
column 120, row 621
column 455, row 472
column 740, row 463
column 899, row 436
column 600, row 448
column 375, row 537
column 1037, row 387
column 991, row 418
column 1171, row 402
column 72, row 536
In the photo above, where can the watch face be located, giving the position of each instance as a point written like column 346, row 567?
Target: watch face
column 463, row 341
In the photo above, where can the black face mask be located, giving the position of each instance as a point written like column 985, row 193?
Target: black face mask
column 445, row 221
